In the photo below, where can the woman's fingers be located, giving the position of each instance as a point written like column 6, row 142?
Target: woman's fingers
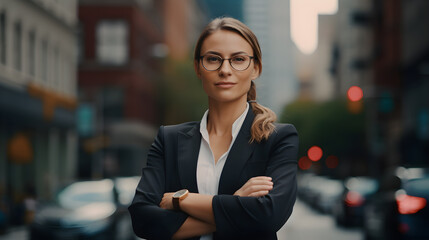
column 259, row 193
column 166, row 201
column 256, row 186
column 260, row 178
column 258, row 182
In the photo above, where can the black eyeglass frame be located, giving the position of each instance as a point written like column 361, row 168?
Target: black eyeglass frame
column 229, row 60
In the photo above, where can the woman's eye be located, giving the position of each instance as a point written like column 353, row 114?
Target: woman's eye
column 213, row 59
column 239, row 59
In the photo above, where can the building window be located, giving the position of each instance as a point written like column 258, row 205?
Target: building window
column 112, row 42
column 112, row 103
column 56, row 69
column 80, row 43
column 3, row 38
column 64, row 73
column 17, row 50
column 32, row 53
column 44, row 61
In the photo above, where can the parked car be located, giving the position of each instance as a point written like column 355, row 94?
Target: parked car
column 349, row 208
column 304, row 180
column 400, row 209
column 328, row 194
column 87, row 210
column 309, row 187
column 319, row 192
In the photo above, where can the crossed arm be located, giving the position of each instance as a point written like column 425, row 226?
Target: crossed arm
column 199, row 207
column 257, row 207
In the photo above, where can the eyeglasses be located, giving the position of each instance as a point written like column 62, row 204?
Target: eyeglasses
column 213, row 62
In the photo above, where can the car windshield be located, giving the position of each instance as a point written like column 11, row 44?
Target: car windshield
column 418, row 187
column 362, row 185
column 82, row 193
column 126, row 187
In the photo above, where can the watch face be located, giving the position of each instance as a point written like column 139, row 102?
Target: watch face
column 179, row 193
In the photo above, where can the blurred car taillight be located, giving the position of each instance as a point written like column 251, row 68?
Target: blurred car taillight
column 409, row 204
column 404, row 228
column 354, row 199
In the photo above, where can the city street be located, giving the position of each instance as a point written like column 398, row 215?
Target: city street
column 17, row 233
column 306, row 223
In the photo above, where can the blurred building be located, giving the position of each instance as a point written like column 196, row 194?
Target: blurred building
column 123, row 46
column 400, row 107
column 223, row 8
column 120, row 43
column 38, row 142
column 183, row 21
column 349, row 62
column 414, row 141
column 343, row 55
column 270, row 21
column 352, row 48
column 391, row 49
column 381, row 46
column 342, row 59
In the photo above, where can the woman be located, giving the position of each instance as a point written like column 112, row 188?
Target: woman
column 236, row 168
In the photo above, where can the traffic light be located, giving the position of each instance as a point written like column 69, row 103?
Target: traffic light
column 315, row 153
column 355, row 93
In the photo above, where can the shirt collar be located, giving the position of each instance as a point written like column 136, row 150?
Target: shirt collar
column 236, row 126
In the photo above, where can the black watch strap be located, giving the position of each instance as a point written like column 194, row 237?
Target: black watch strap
column 176, row 203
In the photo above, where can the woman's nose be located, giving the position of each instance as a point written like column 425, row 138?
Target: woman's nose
column 225, row 68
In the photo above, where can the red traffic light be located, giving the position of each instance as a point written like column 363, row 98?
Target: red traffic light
column 304, row 163
column 355, row 93
column 315, row 153
column 331, row 161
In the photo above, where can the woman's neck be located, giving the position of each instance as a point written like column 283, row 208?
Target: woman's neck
column 222, row 115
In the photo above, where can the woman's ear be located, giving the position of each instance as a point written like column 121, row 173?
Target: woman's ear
column 256, row 72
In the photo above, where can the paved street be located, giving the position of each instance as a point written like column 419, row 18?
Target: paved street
column 16, row 233
column 304, row 224
column 307, row 224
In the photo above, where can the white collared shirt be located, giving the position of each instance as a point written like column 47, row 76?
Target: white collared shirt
column 208, row 172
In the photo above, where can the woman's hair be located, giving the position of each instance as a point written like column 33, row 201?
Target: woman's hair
column 262, row 126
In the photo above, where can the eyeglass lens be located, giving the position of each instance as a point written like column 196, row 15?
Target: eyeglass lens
column 214, row 62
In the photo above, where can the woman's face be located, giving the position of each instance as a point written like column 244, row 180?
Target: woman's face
column 226, row 84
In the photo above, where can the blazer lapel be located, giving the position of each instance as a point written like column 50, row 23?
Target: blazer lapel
column 240, row 152
column 188, row 149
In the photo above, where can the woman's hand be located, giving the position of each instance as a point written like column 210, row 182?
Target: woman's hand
column 255, row 187
column 167, row 201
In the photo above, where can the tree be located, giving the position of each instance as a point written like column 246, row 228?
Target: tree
column 329, row 125
column 183, row 98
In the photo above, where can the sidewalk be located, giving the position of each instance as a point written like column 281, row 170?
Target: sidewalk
column 307, row 224
column 15, row 233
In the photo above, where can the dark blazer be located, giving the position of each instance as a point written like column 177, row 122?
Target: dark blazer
column 172, row 165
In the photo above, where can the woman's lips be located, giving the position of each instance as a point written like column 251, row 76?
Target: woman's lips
column 225, row 84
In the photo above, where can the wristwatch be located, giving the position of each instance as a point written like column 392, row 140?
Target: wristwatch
column 178, row 196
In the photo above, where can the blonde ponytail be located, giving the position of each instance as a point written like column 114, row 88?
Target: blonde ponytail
column 263, row 124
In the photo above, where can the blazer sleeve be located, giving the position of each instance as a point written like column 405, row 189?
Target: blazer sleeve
column 238, row 216
column 148, row 219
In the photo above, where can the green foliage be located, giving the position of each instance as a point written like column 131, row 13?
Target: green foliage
column 329, row 125
column 183, row 98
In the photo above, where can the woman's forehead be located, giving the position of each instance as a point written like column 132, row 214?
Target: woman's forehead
column 226, row 43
